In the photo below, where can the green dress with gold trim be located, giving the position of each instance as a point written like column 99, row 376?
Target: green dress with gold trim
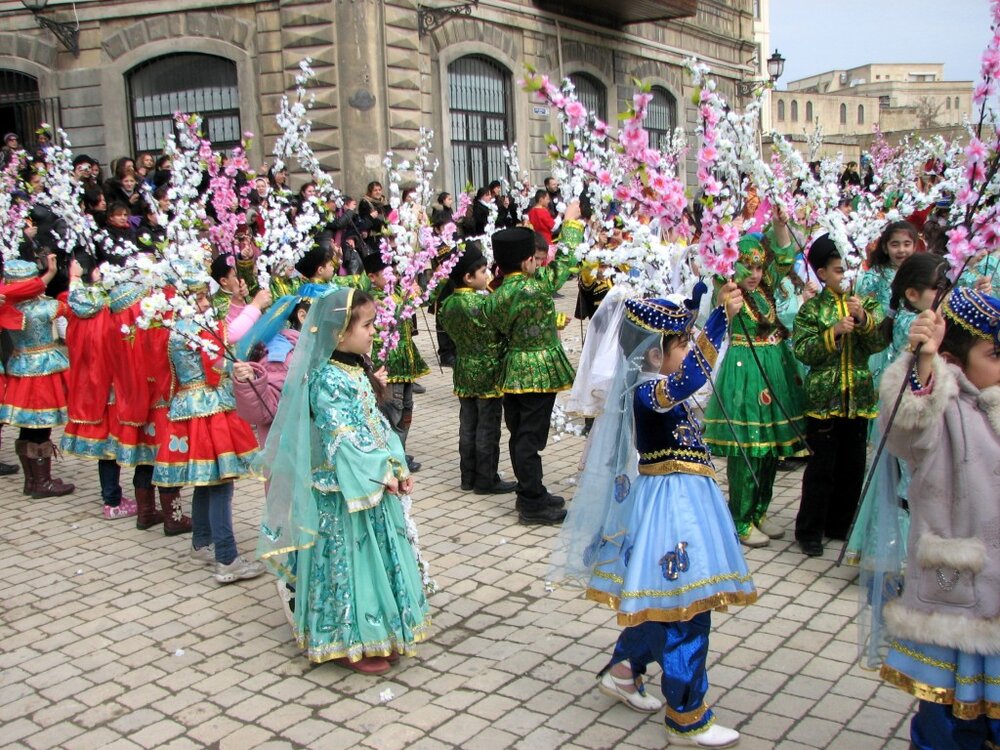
column 522, row 311
column 404, row 363
column 759, row 424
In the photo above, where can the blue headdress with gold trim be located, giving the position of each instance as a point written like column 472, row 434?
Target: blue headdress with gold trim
column 975, row 312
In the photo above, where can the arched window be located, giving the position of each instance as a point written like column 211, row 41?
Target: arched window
column 781, row 110
column 592, row 94
column 861, row 114
column 843, row 114
column 186, row 82
column 956, row 102
column 20, row 106
column 809, row 111
column 947, row 102
column 795, row 111
column 479, row 111
column 661, row 117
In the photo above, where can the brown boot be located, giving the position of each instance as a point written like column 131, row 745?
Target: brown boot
column 174, row 520
column 21, row 449
column 40, row 461
column 148, row 515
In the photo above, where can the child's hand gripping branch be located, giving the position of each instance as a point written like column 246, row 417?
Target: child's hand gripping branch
column 926, row 333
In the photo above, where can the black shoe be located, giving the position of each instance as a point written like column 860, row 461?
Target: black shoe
column 555, row 501
column 541, row 516
column 466, row 486
column 811, row 548
column 413, row 466
column 7, row 469
column 448, row 360
column 498, row 488
column 417, row 388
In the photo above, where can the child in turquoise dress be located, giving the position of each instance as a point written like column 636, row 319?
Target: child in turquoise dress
column 655, row 541
column 335, row 529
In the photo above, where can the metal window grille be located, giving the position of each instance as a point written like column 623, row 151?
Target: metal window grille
column 661, row 118
column 189, row 83
column 591, row 93
column 22, row 109
column 480, row 90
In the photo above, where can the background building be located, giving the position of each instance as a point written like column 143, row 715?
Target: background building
column 385, row 69
column 901, row 98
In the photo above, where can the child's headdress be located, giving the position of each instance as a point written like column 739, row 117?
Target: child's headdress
column 977, row 313
column 19, row 270
column 752, row 253
column 511, row 246
column 664, row 316
column 471, row 258
column 374, row 262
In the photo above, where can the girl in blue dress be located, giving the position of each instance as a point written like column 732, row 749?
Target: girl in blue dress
column 649, row 530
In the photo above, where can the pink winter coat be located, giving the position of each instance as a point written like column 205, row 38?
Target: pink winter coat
column 257, row 399
column 950, row 438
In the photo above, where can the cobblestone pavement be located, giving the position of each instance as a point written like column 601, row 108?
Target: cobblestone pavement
column 112, row 639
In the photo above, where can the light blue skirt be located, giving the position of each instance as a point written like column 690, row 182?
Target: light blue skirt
column 670, row 553
column 969, row 683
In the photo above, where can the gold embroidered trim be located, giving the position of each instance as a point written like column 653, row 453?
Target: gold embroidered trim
column 686, row 717
column 943, row 696
column 946, row 666
column 677, row 467
column 715, row 602
column 707, row 349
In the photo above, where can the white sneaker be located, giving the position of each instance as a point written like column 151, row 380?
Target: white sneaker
column 714, row 736
column 637, row 700
column 755, row 538
column 203, row 555
column 238, row 569
column 770, row 528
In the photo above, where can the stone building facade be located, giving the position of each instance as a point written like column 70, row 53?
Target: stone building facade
column 385, row 69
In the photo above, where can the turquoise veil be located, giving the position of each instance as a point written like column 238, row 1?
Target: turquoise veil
column 611, row 463
column 290, row 521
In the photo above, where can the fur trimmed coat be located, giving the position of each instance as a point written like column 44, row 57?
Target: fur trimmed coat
column 950, row 437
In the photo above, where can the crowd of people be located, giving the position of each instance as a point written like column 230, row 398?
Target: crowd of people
column 291, row 382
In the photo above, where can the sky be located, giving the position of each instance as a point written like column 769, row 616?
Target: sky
column 819, row 35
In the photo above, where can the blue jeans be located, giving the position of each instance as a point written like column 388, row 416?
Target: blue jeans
column 212, row 520
column 109, row 472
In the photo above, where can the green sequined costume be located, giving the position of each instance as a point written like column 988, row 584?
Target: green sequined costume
column 479, row 352
column 839, row 383
column 522, row 311
column 404, row 363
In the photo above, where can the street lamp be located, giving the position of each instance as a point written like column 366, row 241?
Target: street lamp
column 775, row 67
column 67, row 33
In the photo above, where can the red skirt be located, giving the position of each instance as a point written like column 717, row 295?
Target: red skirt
column 204, row 450
column 136, row 445
column 88, row 440
column 35, row 402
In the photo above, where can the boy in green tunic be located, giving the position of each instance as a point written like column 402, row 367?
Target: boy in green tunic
column 535, row 368
column 834, row 336
column 403, row 364
column 476, row 375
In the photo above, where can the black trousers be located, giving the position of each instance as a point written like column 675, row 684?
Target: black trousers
column 527, row 416
column 831, row 485
column 479, row 441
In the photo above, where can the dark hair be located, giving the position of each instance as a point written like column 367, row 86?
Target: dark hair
column 371, row 186
column 539, row 194
column 118, row 207
column 957, row 342
column 494, row 184
column 302, row 190
column 481, row 263
column 442, row 196
column 222, row 266
column 92, row 196
column 161, row 160
column 481, row 192
column 548, row 179
column 921, row 271
column 541, row 246
column 293, row 316
column 359, row 300
column 880, row 255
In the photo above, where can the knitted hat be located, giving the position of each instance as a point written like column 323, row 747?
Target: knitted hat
column 512, row 246
column 19, row 270
column 977, row 313
column 665, row 316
